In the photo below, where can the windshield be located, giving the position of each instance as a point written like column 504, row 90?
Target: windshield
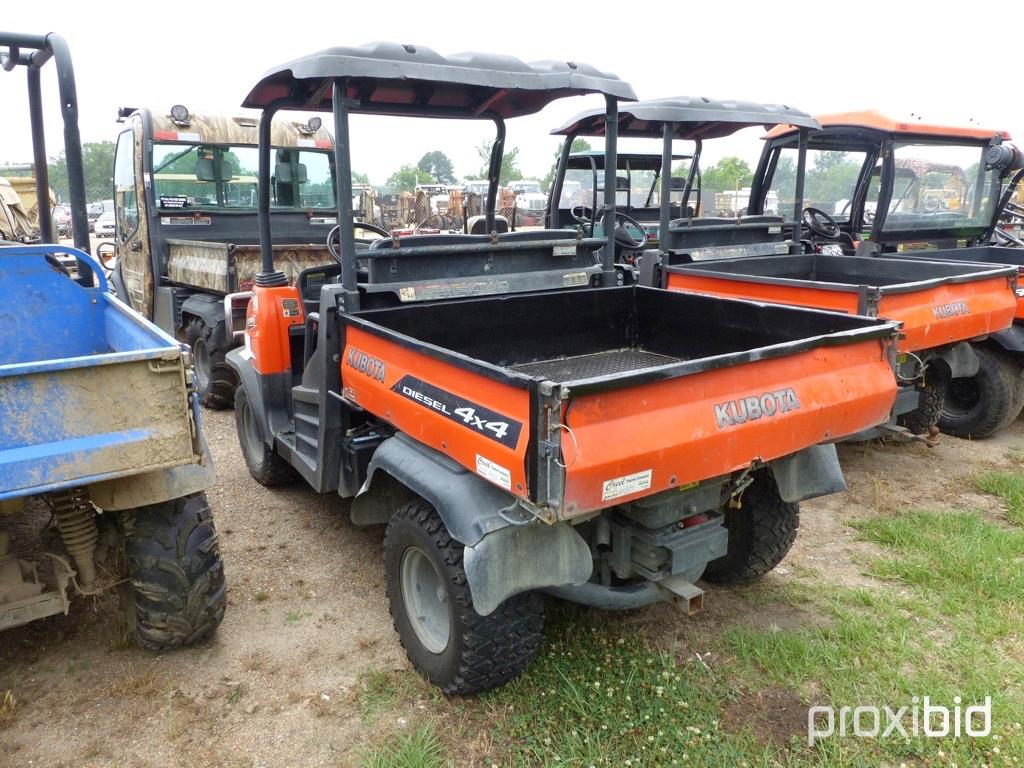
column 226, row 177
column 938, row 186
column 829, row 183
column 632, row 188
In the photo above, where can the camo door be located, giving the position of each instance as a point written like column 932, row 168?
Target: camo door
column 132, row 237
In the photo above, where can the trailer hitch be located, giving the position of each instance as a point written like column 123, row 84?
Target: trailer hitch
column 902, row 433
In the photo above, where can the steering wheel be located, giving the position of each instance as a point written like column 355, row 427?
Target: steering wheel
column 334, row 241
column 622, row 237
column 582, row 214
column 820, row 223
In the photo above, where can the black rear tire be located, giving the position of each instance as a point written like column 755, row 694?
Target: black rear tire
column 216, row 381
column 925, row 417
column 981, row 405
column 264, row 465
column 761, row 533
column 176, row 576
column 480, row 652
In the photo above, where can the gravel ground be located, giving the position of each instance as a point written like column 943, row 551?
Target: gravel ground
column 307, row 616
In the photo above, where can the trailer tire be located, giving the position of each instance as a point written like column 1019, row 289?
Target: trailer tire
column 761, row 533
column 216, row 381
column 176, row 589
column 926, row 416
column 266, row 467
column 453, row 646
column 981, row 405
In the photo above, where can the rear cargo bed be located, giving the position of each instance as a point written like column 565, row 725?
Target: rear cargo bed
column 555, row 395
column 982, row 254
column 938, row 302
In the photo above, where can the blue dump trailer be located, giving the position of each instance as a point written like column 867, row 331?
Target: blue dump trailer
column 100, row 423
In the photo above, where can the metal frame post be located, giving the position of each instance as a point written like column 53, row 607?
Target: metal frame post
column 798, row 194
column 343, row 187
column 267, row 277
column 665, row 215
column 611, row 136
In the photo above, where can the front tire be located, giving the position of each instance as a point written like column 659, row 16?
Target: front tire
column 761, row 533
column 176, row 577
column 454, row 647
column 216, row 381
column 981, row 405
column 266, row 467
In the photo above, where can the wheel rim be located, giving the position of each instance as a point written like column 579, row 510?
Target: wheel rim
column 201, row 364
column 426, row 600
column 963, row 395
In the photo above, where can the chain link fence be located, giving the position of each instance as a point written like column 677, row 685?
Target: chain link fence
column 405, row 212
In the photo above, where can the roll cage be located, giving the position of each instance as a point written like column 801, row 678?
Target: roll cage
column 415, row 81
column 694, row 119
column 32, row 52
column 877, row 136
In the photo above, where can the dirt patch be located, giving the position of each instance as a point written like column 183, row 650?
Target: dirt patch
column 307, row 619
column 772, row 715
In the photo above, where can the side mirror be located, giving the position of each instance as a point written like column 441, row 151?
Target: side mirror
column 107, row 255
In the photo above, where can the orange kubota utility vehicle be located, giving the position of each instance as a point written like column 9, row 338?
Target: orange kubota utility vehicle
column 521, row 420
column 930, row 192
column 942, row 306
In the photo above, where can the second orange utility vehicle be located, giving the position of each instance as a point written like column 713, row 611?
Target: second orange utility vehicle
column 942, row 306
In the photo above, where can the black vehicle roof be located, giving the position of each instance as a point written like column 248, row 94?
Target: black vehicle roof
column 637, row 160
column 390, row 78
column 691, row 117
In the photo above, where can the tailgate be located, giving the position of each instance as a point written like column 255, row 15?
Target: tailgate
column 952, row 312
column 627, row 443
column 79, row 424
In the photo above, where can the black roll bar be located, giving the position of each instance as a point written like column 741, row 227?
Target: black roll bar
column 41, row 48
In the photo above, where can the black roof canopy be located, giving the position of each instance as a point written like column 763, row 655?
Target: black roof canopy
column 389, row 78
column 650, row 161
column 691, row 117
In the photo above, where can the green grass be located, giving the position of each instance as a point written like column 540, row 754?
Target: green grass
column 597, row 697
column 1009, row 486
column 420, row 749
column 948, row 620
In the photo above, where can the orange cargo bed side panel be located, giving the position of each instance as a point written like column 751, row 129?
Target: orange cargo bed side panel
column 640, row 440
column 797, row 296
column 950, row 313
column 481, row 423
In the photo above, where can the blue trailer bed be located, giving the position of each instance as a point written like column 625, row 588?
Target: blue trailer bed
column 89, row 390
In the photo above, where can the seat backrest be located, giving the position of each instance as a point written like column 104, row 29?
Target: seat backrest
column 206, row 170
column 283, row 173
column 477, row 225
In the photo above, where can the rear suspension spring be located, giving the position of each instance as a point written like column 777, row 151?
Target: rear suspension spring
column 76, row 523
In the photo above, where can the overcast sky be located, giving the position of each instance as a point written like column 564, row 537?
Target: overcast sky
column 935, row 60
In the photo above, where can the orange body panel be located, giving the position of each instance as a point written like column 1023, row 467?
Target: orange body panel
column 708, row 424
column 837, row 301
column 372, row 384
column 270, row 314
column 931, row 317
column 1019, row 314
column 971, row 309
